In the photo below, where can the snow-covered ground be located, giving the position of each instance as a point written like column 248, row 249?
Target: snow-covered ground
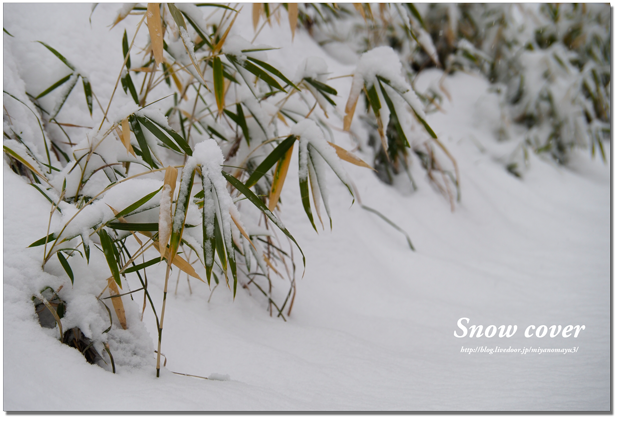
column 373, row 324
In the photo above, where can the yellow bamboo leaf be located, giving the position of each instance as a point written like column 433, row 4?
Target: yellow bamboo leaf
column 122, row 15
column 219, row 45
column 117, row 302
column 125, row 138
column 293, row 13
column 278, row 179
column 349, row 109
column 349, row 157
column 256, row 10
column 23, row 161
column 281, row 118
column 360, row 9
column 143, row 69
column 153, row 21
column 241, row 230
column 165, row 209
column 186, row 114
column 181, row 263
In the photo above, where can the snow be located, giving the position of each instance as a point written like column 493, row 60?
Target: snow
column 372, row 325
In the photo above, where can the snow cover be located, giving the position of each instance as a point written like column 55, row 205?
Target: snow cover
column 373, row 323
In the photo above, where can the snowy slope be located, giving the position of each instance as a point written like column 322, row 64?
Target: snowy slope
column 372, row 325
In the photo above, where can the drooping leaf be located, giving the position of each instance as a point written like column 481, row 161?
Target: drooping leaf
column 144, row 147
column 292, row 18
column 65, row 265
column 88, row 93
column 218, row 82
column 153, row 19
column 279, row 177
column 276, row 155
column 110, row 254
column 261, row 206
column 134, row 226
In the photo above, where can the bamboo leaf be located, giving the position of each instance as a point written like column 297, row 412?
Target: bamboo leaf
column 305, row 199
column 134, row 226
column 125, row 138
column 22, row 160
column 179, row 262
column 144, row 147
column 134, row 206
column 57, row 54
column 86, row 248
column 154, row 129
column 72, row 82
column 153, row 19
column 256, row 11
column 220, row 44
column 165, row 208
column 261, row 206
column 350, row 107
column 117, row 302
column 279, row 177
column 349, row 157
column 128, row 85
column 110, row 255
column 218, row 83
column 271, row 159
column 54, row 86
column 292, row 18
column 88, row 93
column 273, row 70
column 393, row 114
column 180, row 212
column 65, row 265
column 126, row 50
column 176, row 15
column 142, row 265
column 199, row 31
column 208, row 226
column 41, row 241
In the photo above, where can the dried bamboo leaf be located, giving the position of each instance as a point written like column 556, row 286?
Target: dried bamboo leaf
column 153, row 20
column 349, row 109
column 349, row 157
column 293, row 13
column 278, row 179
column 165, row 208
column 126, row 137
column 117, row 302
column 179, row 262
column 256, row 11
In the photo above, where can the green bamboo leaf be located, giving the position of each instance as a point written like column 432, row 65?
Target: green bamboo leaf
column 128, row 85
column 271, row 159
column 57, row 54
column 414, row 12
column 240, row 121
column 177, row 16
column 45, row 195
column 133, row 226
column 126, row 50
column 321, row 86
column 261, row 206
column 373, row 98
column 88, row 93
column 305, row 199
column 7, row 32
column 54, row 86
column 181, row 142
column 65, row 266
column 143, row 265
column 86, row 248
column 199, row 31
column 393, row 114
column 72, row 82
column 154, row 129
column 144, row 147
column 272, row 70
column 110, row 255
column 41, row 241
column 218, row 83
column 134, row 206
